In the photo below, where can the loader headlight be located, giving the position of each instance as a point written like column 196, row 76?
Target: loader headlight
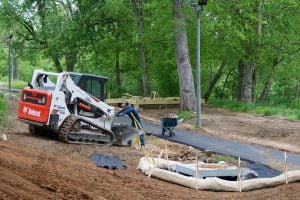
column 44, row 100
column 24, row 96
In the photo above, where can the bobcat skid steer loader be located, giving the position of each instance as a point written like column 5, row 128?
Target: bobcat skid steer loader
column 71, row 104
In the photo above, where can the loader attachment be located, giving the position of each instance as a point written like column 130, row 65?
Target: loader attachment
column 124, row 133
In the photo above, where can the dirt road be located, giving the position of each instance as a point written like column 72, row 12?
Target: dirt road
column 40, row 167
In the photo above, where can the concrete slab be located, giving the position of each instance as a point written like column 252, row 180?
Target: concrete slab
column 190, row 170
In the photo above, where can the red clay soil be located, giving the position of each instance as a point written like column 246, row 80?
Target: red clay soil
column 40, row 167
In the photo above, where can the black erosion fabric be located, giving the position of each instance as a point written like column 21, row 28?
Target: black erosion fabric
column 106, row 161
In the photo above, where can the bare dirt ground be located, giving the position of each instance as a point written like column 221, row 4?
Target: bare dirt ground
column 40, row 167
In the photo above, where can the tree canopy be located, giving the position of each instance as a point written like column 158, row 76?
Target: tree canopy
column 250, row 50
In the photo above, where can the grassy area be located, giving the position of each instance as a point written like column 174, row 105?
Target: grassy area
column 217, row 158
column 2, row 111
column 186, row 115
column 15, row 84
column 289, row 109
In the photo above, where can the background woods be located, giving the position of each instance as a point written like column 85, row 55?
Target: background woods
column 249, row 49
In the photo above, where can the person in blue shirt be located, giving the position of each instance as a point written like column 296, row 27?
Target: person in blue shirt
column 135, row 119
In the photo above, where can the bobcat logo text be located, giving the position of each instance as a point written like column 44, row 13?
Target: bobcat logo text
column 31, row 112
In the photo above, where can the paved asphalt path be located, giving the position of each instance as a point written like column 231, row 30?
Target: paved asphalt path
column 259, row 157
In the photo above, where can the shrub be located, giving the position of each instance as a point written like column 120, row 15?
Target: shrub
column 2, row 110
column 289, row 109
column 186, row 115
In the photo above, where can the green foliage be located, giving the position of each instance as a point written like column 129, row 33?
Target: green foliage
column 15, row 84
column 288, row 108
column 160, row 43
column 218, row 157
column 90, row 34
column 186, row 115
column 2, row 110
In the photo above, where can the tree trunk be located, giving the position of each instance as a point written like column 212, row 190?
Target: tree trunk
column 254, row 85
column 246, row 67
column 118, row 71
column 298, row 88
column 267, row 87
column 215, row 80
column 71, row 59
column 240, row 75
column 137, row 6
column 187, row 89
column 57, row 64
column 41, row 5
column 224, row 84
column 260, row 8
column 15, row 64
column 245, row 80
column 265, row 92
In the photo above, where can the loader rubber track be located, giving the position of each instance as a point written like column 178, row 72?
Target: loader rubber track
column 101, row 137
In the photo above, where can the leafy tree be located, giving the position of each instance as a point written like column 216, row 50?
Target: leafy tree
column 187, row 90
column 138, row 8
column 249, row 49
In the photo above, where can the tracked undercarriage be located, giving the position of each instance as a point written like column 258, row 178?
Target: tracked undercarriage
column 79, row 131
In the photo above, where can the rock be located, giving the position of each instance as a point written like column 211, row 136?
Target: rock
column 208, row 160
column 180, row 121
column 208, row 153
column 4, row 138
column 248, row 174
column 190, row 148
column 148, row 132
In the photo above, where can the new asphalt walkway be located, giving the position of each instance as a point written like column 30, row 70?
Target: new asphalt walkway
column 259, row 157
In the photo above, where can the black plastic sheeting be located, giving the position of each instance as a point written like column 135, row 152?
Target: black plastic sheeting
column 262, row 170
column 255, row 155
column 106, row 161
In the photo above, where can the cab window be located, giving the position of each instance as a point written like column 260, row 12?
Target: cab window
column 91, row 86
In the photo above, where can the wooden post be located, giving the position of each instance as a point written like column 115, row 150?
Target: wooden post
column 285, row 167
column 197, row 173
column 151, row 156
column 167, row 157
column 146, row 153
column 156, row 163
column 239, row 175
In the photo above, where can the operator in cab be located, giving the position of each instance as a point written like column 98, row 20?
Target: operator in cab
column 128, row 110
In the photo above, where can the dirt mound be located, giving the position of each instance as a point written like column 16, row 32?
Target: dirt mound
column 35, row 173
